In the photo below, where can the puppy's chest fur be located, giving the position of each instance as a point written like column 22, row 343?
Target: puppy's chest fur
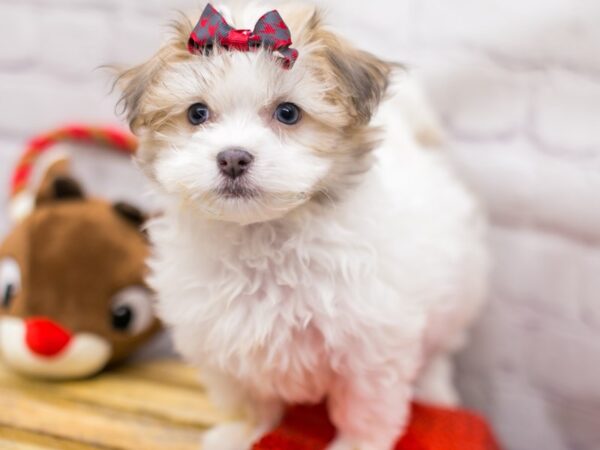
column 264, row 304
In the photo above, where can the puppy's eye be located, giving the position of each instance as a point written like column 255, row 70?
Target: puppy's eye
column 10, row 281
column 131, row 310
column 288, row 113
column 198, row 113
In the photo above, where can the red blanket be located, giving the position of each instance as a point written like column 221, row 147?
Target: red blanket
column 431, row 428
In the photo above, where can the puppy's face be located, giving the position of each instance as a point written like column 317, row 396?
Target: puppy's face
column 240, row 138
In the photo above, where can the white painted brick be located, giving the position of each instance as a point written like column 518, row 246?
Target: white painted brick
column 553, row 352
column 567, row 112
column 495, row 383
column 582, row 422
column 76, row 4
column 481, row 24
column 589, row 290
column 140, row 38
column 161, row 8
column 523, row 417
column 545, row 384
column 538, row 271
column 18, row 37
column 10, row 150
column 532, row 33
column 75, row 42
column 519, row 183
column 476, row 98
column 372, row 35
column 32, row 103
column 527, row 362
column 497, row 328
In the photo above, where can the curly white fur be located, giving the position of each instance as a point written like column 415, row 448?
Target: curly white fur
column 359, row 298
column 347, row 301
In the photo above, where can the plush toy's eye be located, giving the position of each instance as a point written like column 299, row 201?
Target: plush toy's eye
column 10, row 281
column 131, row 310
column 198, row 113
column 288, row 114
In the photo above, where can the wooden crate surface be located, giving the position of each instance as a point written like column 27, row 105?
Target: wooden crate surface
column 149, row 405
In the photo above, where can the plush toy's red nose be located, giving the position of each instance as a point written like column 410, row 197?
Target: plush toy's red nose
column 44, row 337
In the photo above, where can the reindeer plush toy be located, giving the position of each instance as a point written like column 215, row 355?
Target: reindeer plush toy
column 72, row 292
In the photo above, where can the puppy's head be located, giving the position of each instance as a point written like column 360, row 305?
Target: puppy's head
column 242, row 139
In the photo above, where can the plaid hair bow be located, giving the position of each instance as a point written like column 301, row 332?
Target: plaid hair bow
column 270, row 32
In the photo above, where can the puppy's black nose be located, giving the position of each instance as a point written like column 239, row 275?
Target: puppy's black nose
column 234, row 162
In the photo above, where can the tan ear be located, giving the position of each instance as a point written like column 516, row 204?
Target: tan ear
column 133, row 83
column 136, row 82
column 360, row 79
column 56, row 183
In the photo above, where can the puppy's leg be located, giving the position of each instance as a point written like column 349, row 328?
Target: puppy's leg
column 369, row 413
column 256, row 416
column 436, row 383
column 240, row 435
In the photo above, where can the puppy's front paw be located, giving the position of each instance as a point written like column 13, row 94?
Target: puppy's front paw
column 229, row 436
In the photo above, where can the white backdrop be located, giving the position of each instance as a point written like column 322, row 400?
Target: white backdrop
column 517, row 84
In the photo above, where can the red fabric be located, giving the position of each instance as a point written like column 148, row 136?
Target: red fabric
column 270, row 32
column 431, row 428
column 20, row 176
column 45, row 338
column 79, row 132
column 107, row 135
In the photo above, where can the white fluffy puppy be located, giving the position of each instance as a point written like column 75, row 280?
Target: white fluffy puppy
column 311, row 247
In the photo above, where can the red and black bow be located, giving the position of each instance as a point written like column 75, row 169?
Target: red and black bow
column 270, row 32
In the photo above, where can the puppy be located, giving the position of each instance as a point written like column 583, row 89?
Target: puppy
column 311, row 248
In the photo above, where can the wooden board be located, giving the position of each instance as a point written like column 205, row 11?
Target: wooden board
column 144, row 406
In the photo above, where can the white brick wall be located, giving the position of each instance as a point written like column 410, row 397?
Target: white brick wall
column 517, row 84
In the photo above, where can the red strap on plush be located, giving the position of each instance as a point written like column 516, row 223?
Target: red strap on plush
column 108, row 136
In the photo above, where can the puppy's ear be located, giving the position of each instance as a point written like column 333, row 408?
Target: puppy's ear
column 360, row 79
column 363, row 79
column 133, row 84
column 136, row 83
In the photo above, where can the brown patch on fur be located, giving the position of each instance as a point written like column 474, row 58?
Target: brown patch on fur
column 363, row 81
column 352, row 158
column 357, row 81
column 135, row 83
column 360, row 79
column 149, row 115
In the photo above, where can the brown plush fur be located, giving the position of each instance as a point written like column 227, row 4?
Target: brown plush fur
column 75, row 254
